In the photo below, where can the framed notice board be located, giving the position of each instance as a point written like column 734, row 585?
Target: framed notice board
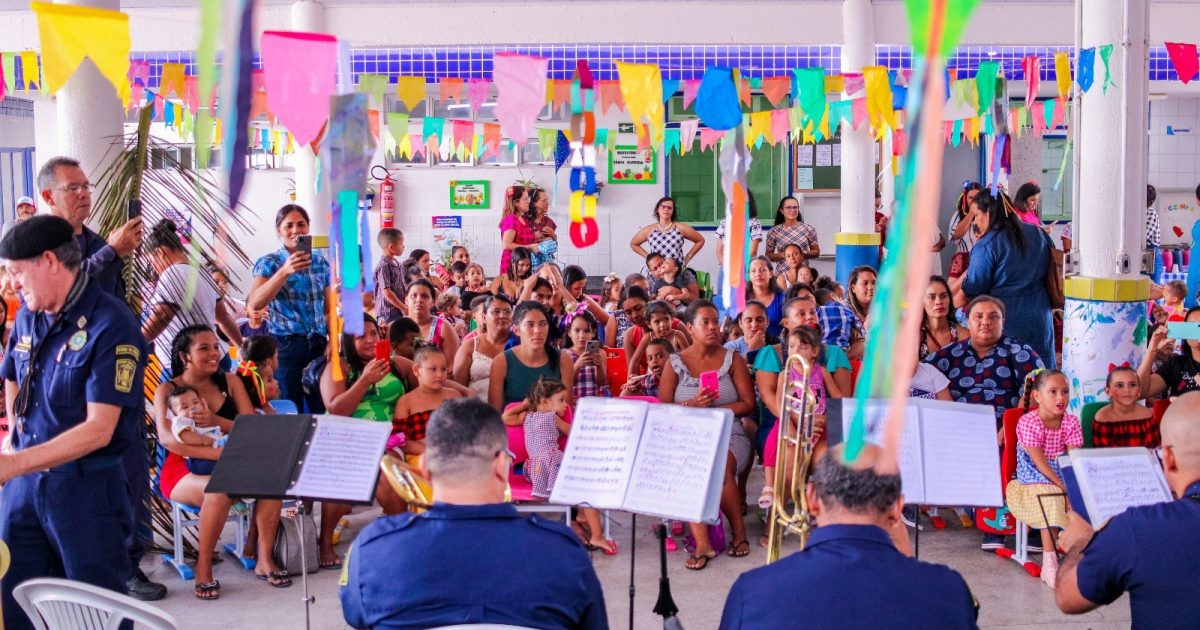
column 818, row 167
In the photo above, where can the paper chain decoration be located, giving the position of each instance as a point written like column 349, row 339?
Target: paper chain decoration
column 582, row 209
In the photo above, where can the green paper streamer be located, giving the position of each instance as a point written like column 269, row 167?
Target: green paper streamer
column 10, row 71
column 1106, row 53
column 602, row 138
column 432, row 127
column 985, row 84
column 374, row 85
column 810, row 83
column 1048, row 111
column 840, row 112
column 957, row 13
column 348, row 226
column 206, row 81
column 547, row 139
column 397, row 126
column 1062, row 168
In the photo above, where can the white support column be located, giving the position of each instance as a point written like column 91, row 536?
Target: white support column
column 1105, row 319
column 89, row 117
column 857, row 243
column 309, row 16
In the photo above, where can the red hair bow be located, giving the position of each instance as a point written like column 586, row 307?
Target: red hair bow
column 1112, row 366
column 249, row 369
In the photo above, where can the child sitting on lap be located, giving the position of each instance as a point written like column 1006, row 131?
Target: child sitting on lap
column 184, row 401
column 414, row 408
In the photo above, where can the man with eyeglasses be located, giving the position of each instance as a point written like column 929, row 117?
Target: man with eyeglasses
column 472, row 558
column 1148, row 551
column 73, row 387
column 66, row 190
column 988, row 368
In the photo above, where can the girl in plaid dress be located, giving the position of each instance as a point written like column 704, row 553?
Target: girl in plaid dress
column 591, row 378
column 1124, row 421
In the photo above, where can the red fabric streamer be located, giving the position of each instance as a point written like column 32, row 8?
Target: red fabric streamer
column 1185, row 60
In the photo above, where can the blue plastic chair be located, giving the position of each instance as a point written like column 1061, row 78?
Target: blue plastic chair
column 284, row 406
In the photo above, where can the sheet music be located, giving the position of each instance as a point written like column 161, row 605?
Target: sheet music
column 600, row 451
column 342, row 459
column 912, row 475
column 962, row 460
column 675, row 462
column 1114, row 483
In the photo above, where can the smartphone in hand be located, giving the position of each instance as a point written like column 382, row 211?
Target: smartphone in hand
column 304, row 244
column 383, row 350
column 592, row 347
column 710, row 381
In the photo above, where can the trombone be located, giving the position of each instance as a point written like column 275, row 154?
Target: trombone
column 407, row 482
column 793, row 459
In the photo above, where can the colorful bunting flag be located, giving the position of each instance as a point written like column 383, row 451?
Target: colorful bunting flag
column 1031, row 66
column 450, row 88
column 477, row 93
column 687, row 133
column 641, row 87
column 691, row 87
column 669, row 88
column 985, row 84
column 410, row 91
column 375, row 86
column 1184, row 59
column 1085, row 72
column 521, row 88
column 1105, row 56
column 879, row 98
column 30, row 71
column 299, row 72
column 717, row 101
column 69, row 33
column 1062, row 73
column 810, row 88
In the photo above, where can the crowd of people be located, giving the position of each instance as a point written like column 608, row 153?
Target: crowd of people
column 448, row 356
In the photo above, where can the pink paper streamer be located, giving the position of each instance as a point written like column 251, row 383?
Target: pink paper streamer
column 858, row 108
column 299, row 71
column 189, row 95
column 853, row 84
column 521, row 89
column 690, row 88
column 1060, row 114
column 477, row 93
column 1031, row 66
column 1038, row 117
column 709, row 137
column 781, row 123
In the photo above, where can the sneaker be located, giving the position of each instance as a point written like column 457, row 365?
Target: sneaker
column 992, row 542
column 142, row 589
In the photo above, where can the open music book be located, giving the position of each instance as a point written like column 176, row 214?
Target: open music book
column 657, row 459
column 1103, row 482
column 326, row 458
column 948, row 452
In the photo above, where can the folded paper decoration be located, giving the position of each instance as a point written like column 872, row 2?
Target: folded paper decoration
column 776, row 89
column 1105, row 55
column 709, row 137
column 190, row 98
column 299, row 71
column 985, row 84
column 1184, row 59
column 691, row 87
column 1062, row 73
column 879, row 98
column 641, row 88
column 397, row 125
column 450, row 88
column 29, row 70
column 1031, row 66
column 810, row 90
column 171, row 81
column 8, row 63
column 584, row 230
column 69, row 33
column 669, row 88
column 233, row 127
column 411, row 91
column 521, row 93
column 374, row 85
column 853, row 83
column 1085, row 74
column 717, row 101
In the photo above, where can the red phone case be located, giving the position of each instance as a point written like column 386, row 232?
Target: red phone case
column 383, row 350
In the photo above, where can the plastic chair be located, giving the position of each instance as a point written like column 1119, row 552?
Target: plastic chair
column 284, row 406
column 617, row 368
column 1160, row 408
column 1008, row 469
column 185, row 515
column 855, row 368
column 55, row 604
column 520, row 490
column 1087, row 417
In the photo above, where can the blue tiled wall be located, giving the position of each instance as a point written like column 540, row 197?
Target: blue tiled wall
column 677, row 62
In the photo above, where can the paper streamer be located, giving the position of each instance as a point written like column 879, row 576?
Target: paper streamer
column 238, row 52
column 1086, row 70
column 734, row 162
column 687, row 134
column 985, row 84
column 521, row 89
column 810, row 88
column 1062, row 73
column 1105, row 56
column 375, row 86
column 450, row 88
column 642, row 90
column 206, row 77
column 1184, row 60
column 477, row 93
column 717, row 101
column 879, row 98
column 1031, row 66
column 584, row 230
column 299, row 70
column 669, row 88
column 410, row 91
column 691, row 87
column 68, row 33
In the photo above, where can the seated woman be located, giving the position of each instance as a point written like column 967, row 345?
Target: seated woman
column 508, row 285
column 437, row 330
column 681, row 384
column 515, row 370
column 473, row 365
column 1124, row 421
column 1179, row 373
column 195, row 356
column 369, row 390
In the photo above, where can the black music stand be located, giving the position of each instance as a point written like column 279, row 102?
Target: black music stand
column 266, row 455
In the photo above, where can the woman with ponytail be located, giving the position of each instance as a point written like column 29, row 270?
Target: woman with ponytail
column 516, row 227
column 962, row 233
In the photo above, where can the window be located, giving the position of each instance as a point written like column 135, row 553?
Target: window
column 1056, row 204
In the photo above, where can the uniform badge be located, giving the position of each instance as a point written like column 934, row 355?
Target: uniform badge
column 125, row 369
column 77, row 340
column 82, row 321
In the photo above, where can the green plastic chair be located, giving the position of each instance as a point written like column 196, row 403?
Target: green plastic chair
column 1087, row 416
column 705, row 281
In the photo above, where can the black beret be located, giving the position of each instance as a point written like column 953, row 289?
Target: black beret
column 35, row 235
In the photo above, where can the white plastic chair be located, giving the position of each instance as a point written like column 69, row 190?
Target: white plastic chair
column 54, row 604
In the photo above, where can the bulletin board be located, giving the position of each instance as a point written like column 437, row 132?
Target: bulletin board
column 818, row 167
column 1177, row 212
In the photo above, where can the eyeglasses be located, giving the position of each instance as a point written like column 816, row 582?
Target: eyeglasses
column 75, row 189
column 511, row 455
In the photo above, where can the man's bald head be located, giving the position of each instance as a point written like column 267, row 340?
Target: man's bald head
column 1181, row 439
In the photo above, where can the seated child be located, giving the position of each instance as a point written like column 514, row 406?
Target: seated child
column 1174, row 295
column 543, row 416
column 1124, row 421
column 1042, row 435
column 450, row 309
column 658, row 353
column 254, row 324
column 183, row 401
column 259, row 360
column 458, row 275
column 610, row 297
column 414, row 408
column 591, row 375
column 807, row 343
column 660, row 322
column 476, row 285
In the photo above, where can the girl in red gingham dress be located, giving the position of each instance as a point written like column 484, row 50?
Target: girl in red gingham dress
column 543, row 413
column 1124, row 421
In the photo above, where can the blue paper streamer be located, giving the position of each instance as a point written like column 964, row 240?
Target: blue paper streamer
column 717, row 100
column 1085, row 69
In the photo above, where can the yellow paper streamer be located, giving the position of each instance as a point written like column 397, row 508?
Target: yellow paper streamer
column 29, row 65
column 69, row 33
column 834, row 83
column 1062, row 73
column 641, row 88
column 879, row 98
column 411, row 91
column 172, row 80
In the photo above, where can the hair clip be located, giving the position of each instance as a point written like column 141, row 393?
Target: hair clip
column 1112, row 367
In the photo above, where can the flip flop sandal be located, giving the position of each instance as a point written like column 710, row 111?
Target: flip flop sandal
column 208, row 591
column 327, row 566
column 744, row 546
column 703, row 560
column 276, row 579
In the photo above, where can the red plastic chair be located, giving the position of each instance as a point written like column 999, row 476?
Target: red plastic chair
column 1160, row 408
column 616, row 368
column 1008, row 469
column 855, row 368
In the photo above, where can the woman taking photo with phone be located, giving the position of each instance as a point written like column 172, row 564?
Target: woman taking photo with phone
column 294, row 283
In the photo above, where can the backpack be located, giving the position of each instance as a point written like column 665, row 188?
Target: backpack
column 310, row 378
column 287, row 544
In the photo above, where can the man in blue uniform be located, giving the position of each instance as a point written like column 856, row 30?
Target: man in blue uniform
column 66, row 190
column 471, row 558
column 1149, row 551
column 72, row 376
column 851, row 574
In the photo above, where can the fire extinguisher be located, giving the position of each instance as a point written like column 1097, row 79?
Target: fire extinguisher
column 387, row 197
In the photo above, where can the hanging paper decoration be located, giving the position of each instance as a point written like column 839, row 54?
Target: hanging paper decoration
column 1105, row 56
column 299, row 71
column 584, row 230
column 734, row 162
column 190, row 99
column 521, row 88
column 30, row 70
column 561, row 94
column 809, row 89
column 669, row 88
column 69, row 33
column 433, row 131
column 1085, row 72
column 206, row 77
column 491, row 139
column 8, row 63
column 1062, row 73
column 397, row 125
column 411, row 91
column 853, row 83
column 1037, row 117
column 776, row 89
column 840, row 111
column 687, row 134
column 691, row 88
column 450, row 88
column 464, row 133
column 610, row 95
column 670, row 141
column 477, row 93
column 171, row 80
column 879, row 98
column 897, row 310
column 641, row 88
column 1184, row 60
column 238, row 52
column 1031, row 66
column 709, row 137
column 375, row 86
column 350, row 148
column 717, row 101
column 985, row 84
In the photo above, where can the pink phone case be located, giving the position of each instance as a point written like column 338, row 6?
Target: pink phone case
column 710, row 381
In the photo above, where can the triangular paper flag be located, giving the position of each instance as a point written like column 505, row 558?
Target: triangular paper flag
column 411, row 91
column 669, row 88
column 985, row 84
column 491, row 139
column 744, row 92
column 810, row 90
column 171, row 82
column 858, row 111
column 760, row 126
column 839, row 112
column 464, row 133
column 374, row 85
column 1062, row 73
column 477, row 93
column 610, row 95
column 956, row 137
column 779, row 125
column 717, row 101
column 69, row 33
column 776, row 89
column 373, row 123
column 670, row 141
column 1037, row 117
column 835, row 84
column 1060, row 115
column 450, row 88
column 1105, row 55
column 879, row 98
column 190, row 98
column 1031, row 66
column 709, row 137
column 687, row 133
column 853, row 83
column 546, row 139
column 521, row 87
column 397, row 126
column 641, row 87
column 299, row 72
column 8, row 63
column 691, row 88
column 562, row 94
column 947, row 131
column 30, row 71
column 1048, row 108
column 1085, row 72
column 1184, row 59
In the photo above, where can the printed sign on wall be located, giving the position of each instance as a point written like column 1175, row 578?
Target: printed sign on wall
column 470, row 195
column 628, row 164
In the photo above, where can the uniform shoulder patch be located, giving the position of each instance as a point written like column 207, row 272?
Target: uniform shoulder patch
column 126, row 368
column 129, row 350
column 344, row 578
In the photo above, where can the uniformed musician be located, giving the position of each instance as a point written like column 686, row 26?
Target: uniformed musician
column 851, row 574
column 471, row 558
column 72, row 376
